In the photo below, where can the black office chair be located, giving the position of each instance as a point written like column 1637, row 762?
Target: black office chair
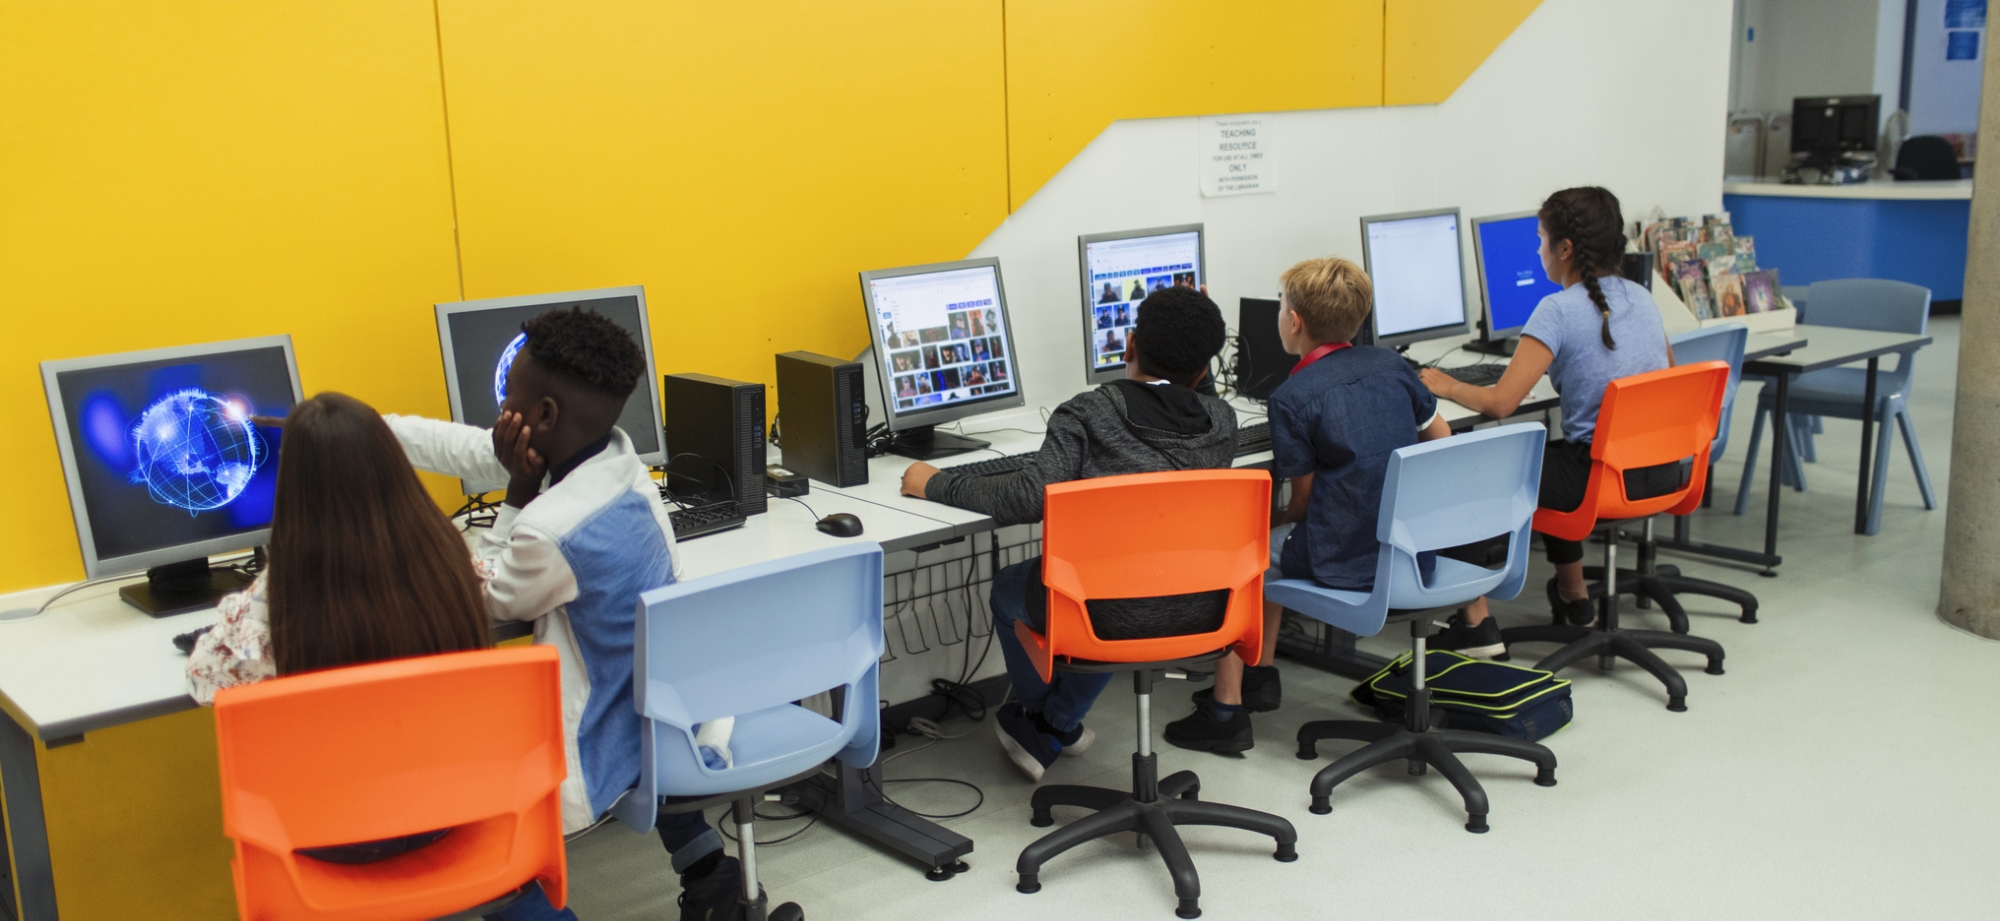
column 1926, row 157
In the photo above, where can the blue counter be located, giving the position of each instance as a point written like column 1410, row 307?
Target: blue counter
column 1908, row 231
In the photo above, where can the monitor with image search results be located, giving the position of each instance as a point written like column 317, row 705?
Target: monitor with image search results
column 947, row 321
column 1117, row 271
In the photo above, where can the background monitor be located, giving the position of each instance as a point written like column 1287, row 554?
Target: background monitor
column 163, row 463
column 1261, row 360
column 943, row 346
column 1118, row 270
column 480, row 339
column 1826, row 125
column 1507, row 253
column 1417, row 266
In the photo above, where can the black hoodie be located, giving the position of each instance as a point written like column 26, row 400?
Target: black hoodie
column 1119, row 428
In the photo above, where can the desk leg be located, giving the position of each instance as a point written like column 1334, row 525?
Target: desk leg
column 1781, row 407
column 1867, row 451
column 33, row 893
column 851, row 800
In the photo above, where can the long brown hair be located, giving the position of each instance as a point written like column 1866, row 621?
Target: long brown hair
column 1588, row 217
column 363, row 567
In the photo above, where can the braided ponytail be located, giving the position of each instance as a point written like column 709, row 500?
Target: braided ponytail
column 1589, row 218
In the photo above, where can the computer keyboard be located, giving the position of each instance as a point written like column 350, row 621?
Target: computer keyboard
column 1253, row 438
column 701, row 520
column 1485, row 375
column 992, row 465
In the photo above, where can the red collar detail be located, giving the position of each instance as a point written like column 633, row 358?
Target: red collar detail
column 1319, row 353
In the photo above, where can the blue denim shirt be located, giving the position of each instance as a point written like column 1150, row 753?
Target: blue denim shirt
column 1339, row 419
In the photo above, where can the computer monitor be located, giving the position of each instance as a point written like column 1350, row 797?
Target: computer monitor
column 1415, row 262
column 1118, row 270
column 164, row 464
column 1828, row 125
column 1261, row 360
column 943, row 350
column 1507, row 254
column 481, row 338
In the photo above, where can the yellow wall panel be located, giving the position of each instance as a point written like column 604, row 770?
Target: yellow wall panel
column 1431, row 46
column 742, row 161
column 1075, row 66
column 174, row 173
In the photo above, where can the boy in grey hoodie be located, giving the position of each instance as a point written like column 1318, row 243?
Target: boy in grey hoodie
column 1151, row 421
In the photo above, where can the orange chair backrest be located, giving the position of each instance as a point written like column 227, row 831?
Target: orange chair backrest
column 1150, row 534
column 471, row 741
column 1647, row 419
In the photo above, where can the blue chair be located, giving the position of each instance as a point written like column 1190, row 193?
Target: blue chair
column 1857, row 303
column 1651, row 582
column 747, row 643
column 1439, row 494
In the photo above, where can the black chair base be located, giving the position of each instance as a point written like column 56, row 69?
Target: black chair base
column 1656, row 583
column 1418, row 744
column 1609, row 645
column 1153, row 809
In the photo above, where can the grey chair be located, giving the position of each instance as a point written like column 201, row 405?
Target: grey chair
column 1856, row 303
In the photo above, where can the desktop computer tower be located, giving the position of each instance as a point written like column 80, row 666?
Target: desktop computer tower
column 715, row 439
column 1261, row 361
column 823, row 417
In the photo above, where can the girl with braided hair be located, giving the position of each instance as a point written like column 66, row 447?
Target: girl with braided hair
column 1599, row 328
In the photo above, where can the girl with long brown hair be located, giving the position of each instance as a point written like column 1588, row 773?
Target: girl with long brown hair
column 361, row 565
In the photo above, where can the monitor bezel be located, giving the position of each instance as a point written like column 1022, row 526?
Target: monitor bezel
column 95, row 567
column 649, row 383
column 1461, row 328
column 1486, row 332
column 943, row 413
column 1091, row 373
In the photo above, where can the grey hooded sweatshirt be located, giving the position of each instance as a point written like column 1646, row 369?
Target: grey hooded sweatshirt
column 1122, row 427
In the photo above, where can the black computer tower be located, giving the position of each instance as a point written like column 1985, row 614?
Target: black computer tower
column 715, row 439
column 823, row 417
column 1261, row 361
column 1638, row 267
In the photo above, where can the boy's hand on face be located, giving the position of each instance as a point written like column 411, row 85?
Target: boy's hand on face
column 916, row 478
column 525, row 466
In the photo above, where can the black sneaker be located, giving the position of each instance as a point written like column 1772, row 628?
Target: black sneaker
column 1262, row 690
column 1073, row 743
column 1029, row 748
column 1481, row 641
column 1579, row 613
column 712, row 895
column 1203, row 731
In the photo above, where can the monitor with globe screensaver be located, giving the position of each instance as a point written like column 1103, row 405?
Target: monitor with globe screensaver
column 164, row 463
column 481, row 338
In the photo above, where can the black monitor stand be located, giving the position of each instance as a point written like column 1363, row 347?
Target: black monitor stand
column 927, row 443
column 1485, row 346
column 177, row 588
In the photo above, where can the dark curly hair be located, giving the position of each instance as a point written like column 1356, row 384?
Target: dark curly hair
column 583, row 347
column 1179, row 330
column 1589, row 218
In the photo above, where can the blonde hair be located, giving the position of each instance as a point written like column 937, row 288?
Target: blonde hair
column 1332, row 296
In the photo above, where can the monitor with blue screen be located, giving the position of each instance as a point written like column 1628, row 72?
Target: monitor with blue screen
column 1415, row 262
column 1511, row 280
column 164, row 463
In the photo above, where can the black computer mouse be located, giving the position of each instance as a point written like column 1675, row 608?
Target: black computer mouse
column 841, row 524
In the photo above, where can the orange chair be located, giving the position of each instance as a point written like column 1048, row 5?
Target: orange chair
column 1659, row 417
column 471, row 742
column 1142, row 536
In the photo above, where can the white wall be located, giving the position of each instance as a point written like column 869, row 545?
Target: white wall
column 1789, row 48
column 1944, row 95
column 1627, row 94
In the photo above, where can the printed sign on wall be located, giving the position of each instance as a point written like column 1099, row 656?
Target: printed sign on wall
column 1237, row 155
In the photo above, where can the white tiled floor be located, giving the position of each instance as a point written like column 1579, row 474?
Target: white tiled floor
column 1843, row 768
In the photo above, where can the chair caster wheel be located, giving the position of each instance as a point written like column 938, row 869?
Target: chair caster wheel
column 1749, row 617
column 1714, row 668
column 1191, row 794
column 1545, row 778
column 1320, row 806
column 790, row 911
column 940, row 874
column 1029, row 884
column 1418, row 768
column 1042, row 818
column 1504, row 657
column 1475, row 824
column 1307, row 753
column 1286, row 853
column 1677, row 704
column 1189, row 908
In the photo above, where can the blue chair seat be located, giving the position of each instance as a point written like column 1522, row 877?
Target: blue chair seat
column 1833, row 392
column 1340, row 608
column 767, row 747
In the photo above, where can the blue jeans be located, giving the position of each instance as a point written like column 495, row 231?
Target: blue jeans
column 686, row 836
column 1064, row 701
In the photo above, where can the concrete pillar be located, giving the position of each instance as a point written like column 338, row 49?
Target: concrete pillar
column 1969, row 595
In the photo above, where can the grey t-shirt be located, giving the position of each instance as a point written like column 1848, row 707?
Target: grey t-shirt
column 1568, row 323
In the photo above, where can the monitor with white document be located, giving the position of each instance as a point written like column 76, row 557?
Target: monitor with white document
column 1118, row 270
column 1507, row 250
column 943, row 349
column 1417, row 267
